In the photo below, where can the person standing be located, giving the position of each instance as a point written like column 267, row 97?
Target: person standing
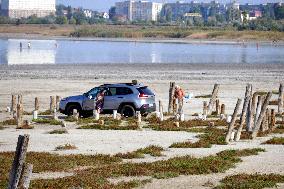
column 100, row 101
column 179, row 95
column 29, row 45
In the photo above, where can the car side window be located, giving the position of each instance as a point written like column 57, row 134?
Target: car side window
column 123, row 91
column 111, row 91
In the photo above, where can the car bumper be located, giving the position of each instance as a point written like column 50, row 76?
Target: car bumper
column 146, row 108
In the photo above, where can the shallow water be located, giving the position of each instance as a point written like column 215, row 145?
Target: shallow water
column 80, row 52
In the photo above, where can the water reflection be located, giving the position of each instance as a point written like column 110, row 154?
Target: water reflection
column 30, row 52
column 70, row 52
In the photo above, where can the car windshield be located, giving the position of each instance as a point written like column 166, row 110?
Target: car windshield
column 145, row 90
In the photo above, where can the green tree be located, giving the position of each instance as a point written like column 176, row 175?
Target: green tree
column 72, row 21
column 279, row 12
column 61, row 20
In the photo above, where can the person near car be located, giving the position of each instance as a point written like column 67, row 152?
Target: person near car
column 100, row 101
column 179, row 95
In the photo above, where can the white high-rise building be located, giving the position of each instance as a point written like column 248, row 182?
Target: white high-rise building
column 139, row 10
column 26, row 8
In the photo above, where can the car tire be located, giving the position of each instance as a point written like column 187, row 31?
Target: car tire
column 70, row 108
column 127, row 111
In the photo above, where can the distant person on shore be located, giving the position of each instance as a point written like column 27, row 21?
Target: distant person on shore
column 29, row 45
column 100, row 101
column 178, row 96
column 21, row 45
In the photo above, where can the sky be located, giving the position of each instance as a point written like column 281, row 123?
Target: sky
column 104, row 5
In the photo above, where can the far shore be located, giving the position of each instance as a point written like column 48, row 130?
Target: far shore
column 139, row 40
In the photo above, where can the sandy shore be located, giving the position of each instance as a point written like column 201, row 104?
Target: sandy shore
column 45, row 80
column 144, row 40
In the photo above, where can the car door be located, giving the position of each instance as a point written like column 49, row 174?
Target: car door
column 110, row 98
column 89, row 98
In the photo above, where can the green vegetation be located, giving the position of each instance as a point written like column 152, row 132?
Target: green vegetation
column 58, row 131
column 106, row 167
column 108, row 127
column 65, row 147
column 255, row 181
column 211, row 136
column 47, row 121
column 46, row 112
column 279, row 129
column 275, row 140
column 70, row 119
column 9, row 122
column 203, row 96
column 151, row 150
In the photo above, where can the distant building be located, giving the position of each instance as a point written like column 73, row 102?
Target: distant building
column 88, row 13
column 105, row 15
column 26, row 8
column 138, row 10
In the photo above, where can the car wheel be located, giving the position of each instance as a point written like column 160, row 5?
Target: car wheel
column 128, row 111
column 70, row 108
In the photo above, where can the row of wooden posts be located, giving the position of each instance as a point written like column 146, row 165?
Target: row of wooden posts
column 17, row 109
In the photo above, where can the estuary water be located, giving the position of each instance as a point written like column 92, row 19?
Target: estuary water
column 92, row 52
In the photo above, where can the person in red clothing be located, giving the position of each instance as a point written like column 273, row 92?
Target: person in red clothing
column 179, row 95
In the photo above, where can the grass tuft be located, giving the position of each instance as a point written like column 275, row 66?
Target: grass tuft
column 151, row 150
column 65, row 147
column 203, row 96
column 70, row 119
column 46, row 112
column 255, row 181
column 211, row 136
column 47, row 121
column 58, row 131
column 9, row 122
column 275, row 140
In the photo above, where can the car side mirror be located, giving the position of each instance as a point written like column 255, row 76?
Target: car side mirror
column 90, row 96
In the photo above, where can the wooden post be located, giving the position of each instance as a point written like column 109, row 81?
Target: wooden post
column 265, row 124
column 213, row 98
column 114, row 114
column 26, row 176
column 231, row 126
column 258, row 109
column 52, row 103
column 20, row 99
column 55, row 114
column 205, row 108
column 261, row 115
column 161, row 111
column 139, row 117
column 244, row 112
column 18, row 163
column 273, row 120
column 76, row 114
column 269, row 118
column 36, row 104
column 171, row 96
column 19, row 115
column 35, row 115
column 14, row 104
column 223, row 109
column 280, row 99
column 96, row 114
column 217, row 107
column 57, row 102
column 251, row 112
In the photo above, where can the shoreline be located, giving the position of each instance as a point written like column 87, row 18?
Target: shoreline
column 5, row 36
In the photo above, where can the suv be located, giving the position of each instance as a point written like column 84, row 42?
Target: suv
column 126, row 98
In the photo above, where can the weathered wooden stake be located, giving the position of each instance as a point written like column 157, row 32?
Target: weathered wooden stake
column 213, row 98
column 26, row 176
column 251, row 112
column 261, row 115
column 273, row 120
column 171, row 96
column 232, row 124
column 217, row 107
column 76, row 114
column 57, row 102
column 52, row 104
column 280, row 99
column 55, row 114
column 258, row 109
column 161, row 110
column 19, row 115
column 205, row 108
column 35, row 115
column 20, row 99
column 36, row 104
column 14, row 104
column 244, row 112
column 223, row 109
column 18, row 163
